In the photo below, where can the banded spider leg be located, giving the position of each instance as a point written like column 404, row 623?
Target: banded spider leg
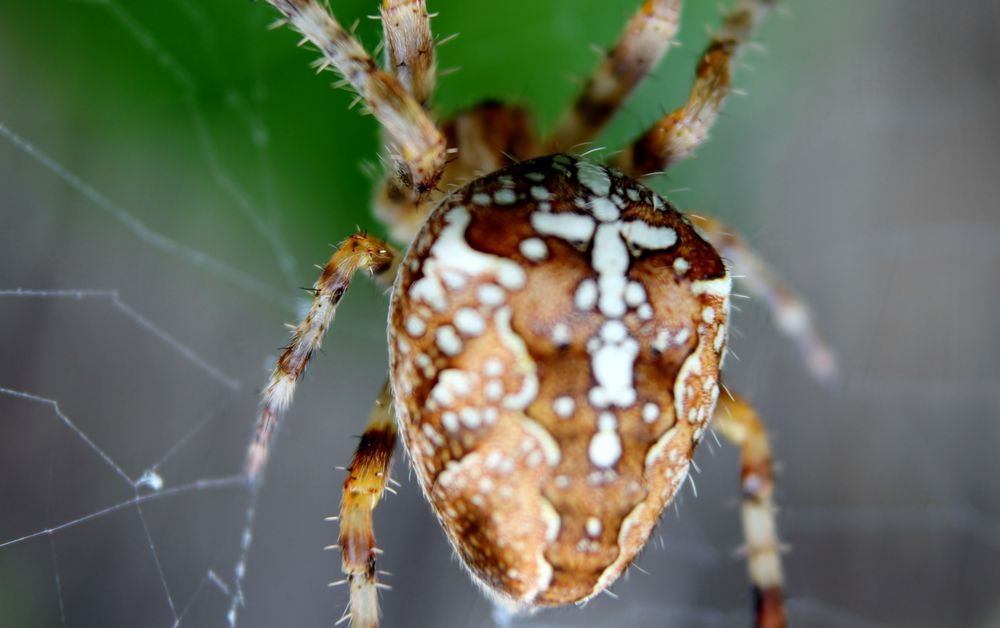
column 358, row 252
column 366, row 481
column 737, row 421
column 678, row 134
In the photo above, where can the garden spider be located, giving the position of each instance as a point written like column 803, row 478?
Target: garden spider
column 556, row 328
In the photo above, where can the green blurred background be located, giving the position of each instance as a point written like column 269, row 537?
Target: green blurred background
column 863, row 165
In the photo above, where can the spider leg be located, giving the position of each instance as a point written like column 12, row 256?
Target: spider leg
column 419, row 144
column 485, row 138
column 788, row 310
column 358, row 252
column 366, row 480
column 642, row 44
column 409, row 46
column 679, row 133
column 737, row 421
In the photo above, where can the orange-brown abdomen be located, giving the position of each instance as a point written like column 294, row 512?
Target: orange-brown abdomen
column 555, row 332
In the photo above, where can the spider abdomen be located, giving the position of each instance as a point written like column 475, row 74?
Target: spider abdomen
column 555, row 332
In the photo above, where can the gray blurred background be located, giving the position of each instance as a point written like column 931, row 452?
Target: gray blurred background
column 199, row 170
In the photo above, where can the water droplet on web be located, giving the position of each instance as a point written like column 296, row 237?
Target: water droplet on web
column 151, row 479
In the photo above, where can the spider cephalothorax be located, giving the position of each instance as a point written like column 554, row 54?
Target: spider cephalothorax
column 556, row 329
column 550, row 325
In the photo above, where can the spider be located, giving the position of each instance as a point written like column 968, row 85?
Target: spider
column 556, row 329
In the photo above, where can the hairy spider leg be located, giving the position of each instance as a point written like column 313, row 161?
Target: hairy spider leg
column 366, row 480
column 641, row 46
column 358, row 252
column 789, row 311
column 417, row 142
column 679, row 133
column 409, row 46
column 737, row 421
column 481, row 139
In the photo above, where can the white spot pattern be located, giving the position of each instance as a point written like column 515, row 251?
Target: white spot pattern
column 505, row 197
column 564, row 406
column 415, row 326
column 451, row 257
column 560, row 334
column 612, row 348
column 448, row 341
column 469, row 322
column 613, row 351
column 571, row 227
column 594, row 526
column 650, row 412
column 605, row 448
column 490, row 294
column 534, row 249
column 586, row 295
column 594, row 177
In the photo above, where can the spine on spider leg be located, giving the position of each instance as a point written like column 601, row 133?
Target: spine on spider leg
column 677, row 135
column 409, row 46
column 366, row 480
column 739, row 423
column 359, row 252
column 641, row 46
column 420, row 145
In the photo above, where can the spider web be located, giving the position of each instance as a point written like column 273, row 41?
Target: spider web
column 147, row 257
